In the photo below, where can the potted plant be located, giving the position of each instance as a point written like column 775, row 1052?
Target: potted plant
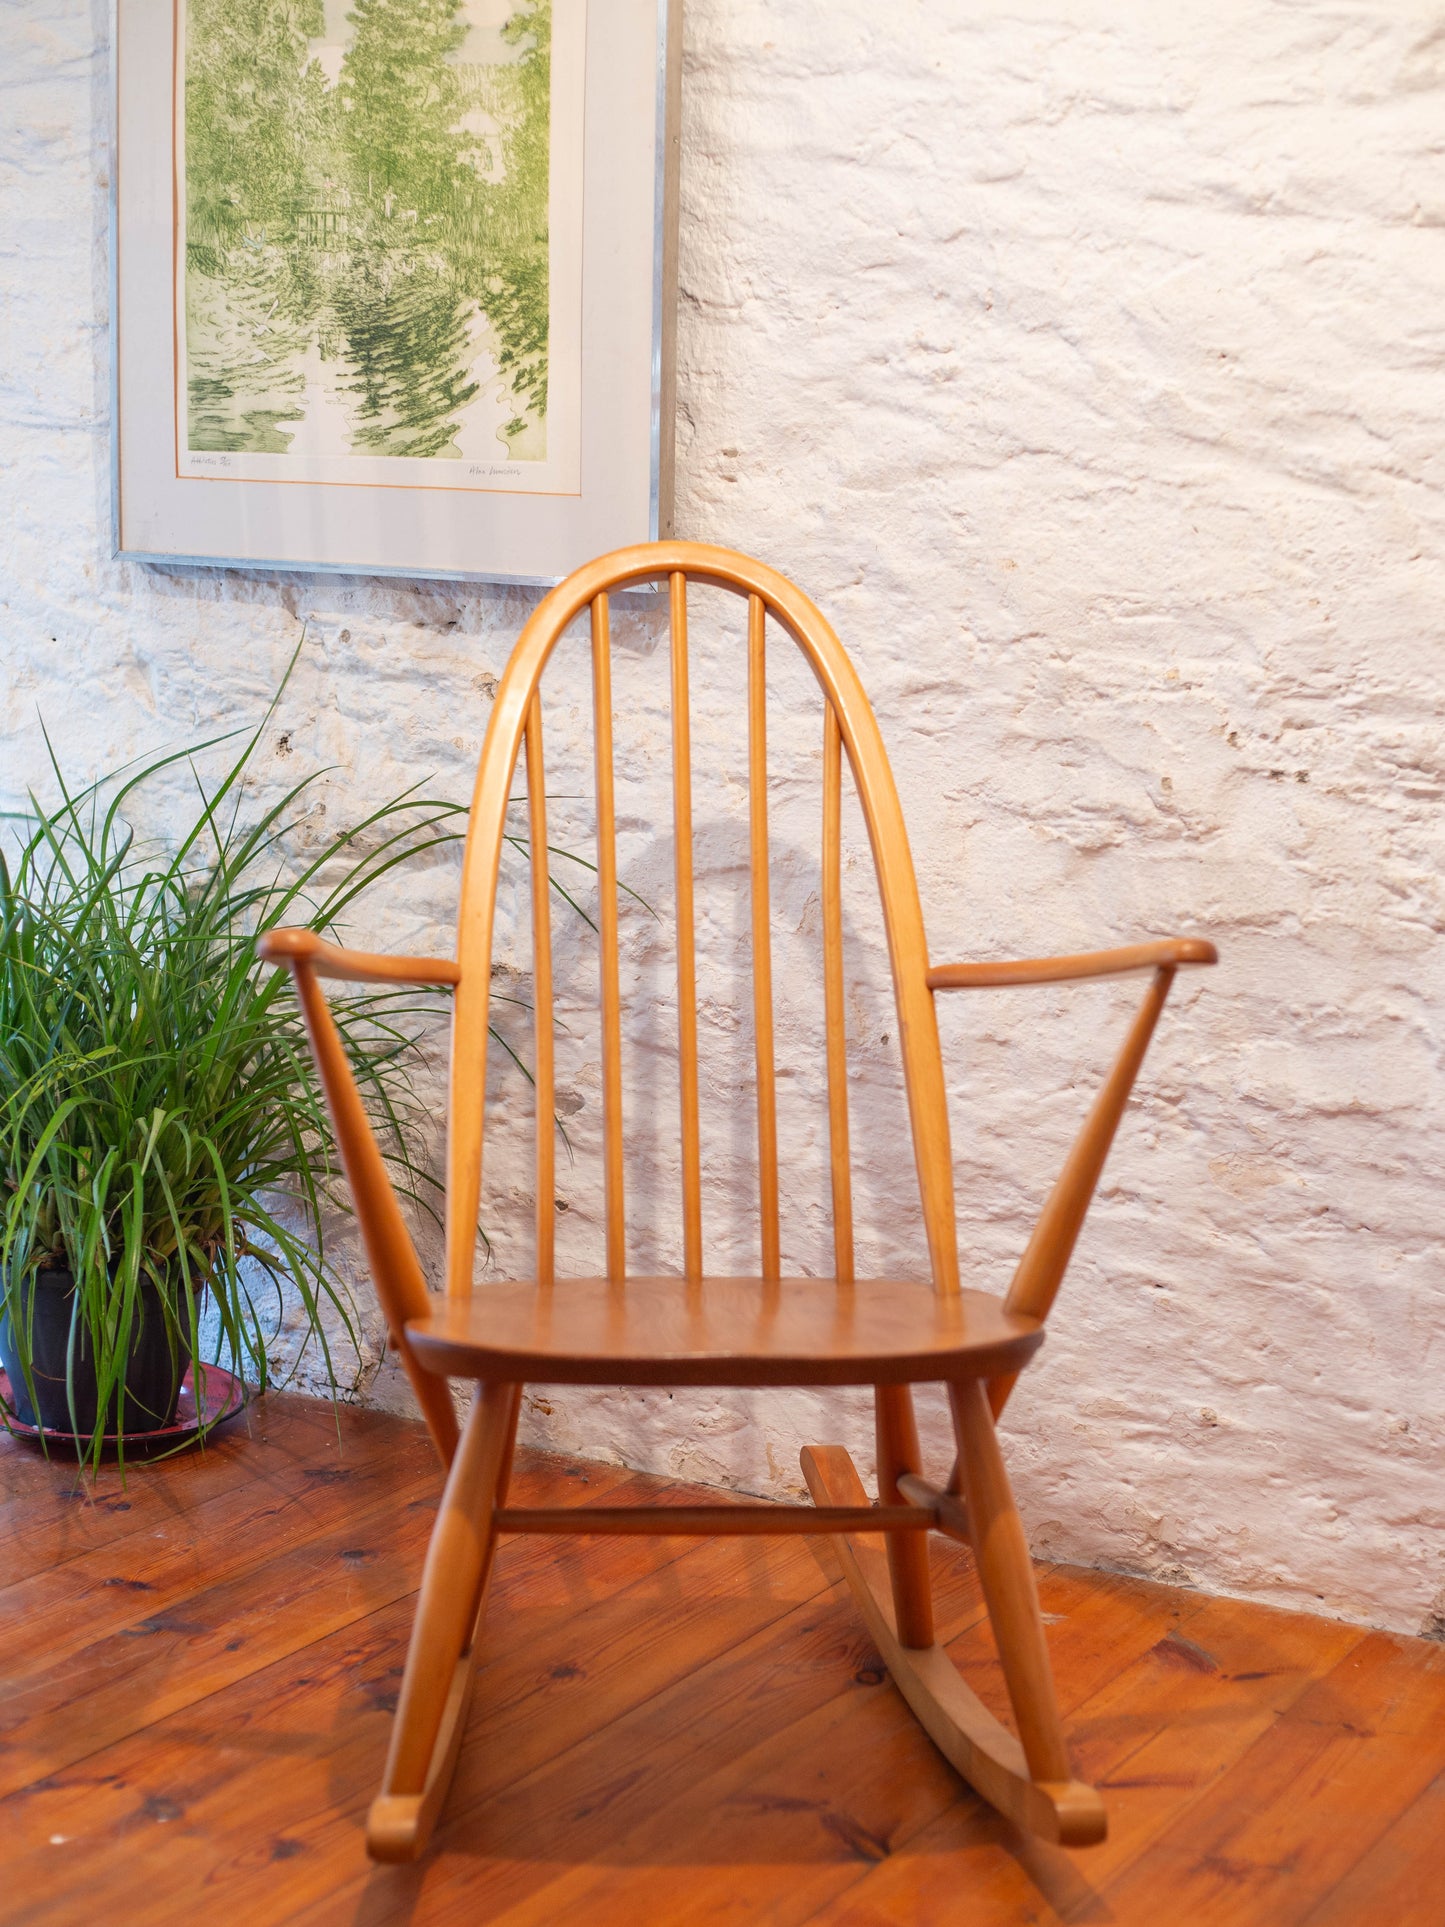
column 159, row 1118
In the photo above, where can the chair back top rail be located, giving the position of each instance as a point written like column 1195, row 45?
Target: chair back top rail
column 851, row 730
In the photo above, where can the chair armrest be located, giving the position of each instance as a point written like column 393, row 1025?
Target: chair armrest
column 1164, row 954
column 356, row 966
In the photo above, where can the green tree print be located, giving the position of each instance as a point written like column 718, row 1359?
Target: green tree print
column 346, row 226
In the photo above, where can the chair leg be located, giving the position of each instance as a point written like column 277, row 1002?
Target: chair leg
column 897, row 1435
column 1006, row 1572
column 985, row 1752
column 436, row 1686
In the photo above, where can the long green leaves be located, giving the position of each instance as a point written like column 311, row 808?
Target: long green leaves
column 159, row 1115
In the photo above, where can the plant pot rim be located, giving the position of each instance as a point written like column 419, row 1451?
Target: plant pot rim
column 223, row 1396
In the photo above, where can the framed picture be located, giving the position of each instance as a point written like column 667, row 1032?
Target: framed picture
column 394, row 282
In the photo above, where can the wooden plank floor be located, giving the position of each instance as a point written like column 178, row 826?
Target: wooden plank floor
column 198, row 1669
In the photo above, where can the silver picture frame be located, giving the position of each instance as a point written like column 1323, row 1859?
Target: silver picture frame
column 633, row 53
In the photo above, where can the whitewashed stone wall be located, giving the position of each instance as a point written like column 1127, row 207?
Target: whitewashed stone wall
column 1084, row 361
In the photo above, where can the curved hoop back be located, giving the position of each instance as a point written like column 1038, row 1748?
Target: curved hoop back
column 849, row 727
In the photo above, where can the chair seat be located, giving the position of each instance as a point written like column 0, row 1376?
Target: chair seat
column 723, row 1331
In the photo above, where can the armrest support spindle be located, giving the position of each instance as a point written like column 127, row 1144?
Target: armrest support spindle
column 1041, row 1269
column 395, row 1270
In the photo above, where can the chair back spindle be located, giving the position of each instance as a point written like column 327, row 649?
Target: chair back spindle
column 851, row 731
column 544, row 1041
column 607, row 940
column 770, row 1231
column 686, row 936
column 835, row 1016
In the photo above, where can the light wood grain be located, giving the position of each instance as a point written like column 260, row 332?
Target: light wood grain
column 715, row 1521
column 1041, row 1270
column 390, row 1253
column 686, row 932
column 797, row 617
column 612, row 1145
column 699, row 1330
column 1166, row 953
column 949, row 1513
column 840, row 1161
column 353, row 966
column 761, row 904
column 543, row 1037
column 988, row 1756
column 722, row 1331
column 1002, row 1552
column 436, row 1686
column 896, row 1440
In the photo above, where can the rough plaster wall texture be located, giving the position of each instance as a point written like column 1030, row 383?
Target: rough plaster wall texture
column 1084, row 362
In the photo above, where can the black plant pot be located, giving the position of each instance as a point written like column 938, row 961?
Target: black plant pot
column 158, row 1362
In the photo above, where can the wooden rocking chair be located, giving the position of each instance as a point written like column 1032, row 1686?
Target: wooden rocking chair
column 764, row 1330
